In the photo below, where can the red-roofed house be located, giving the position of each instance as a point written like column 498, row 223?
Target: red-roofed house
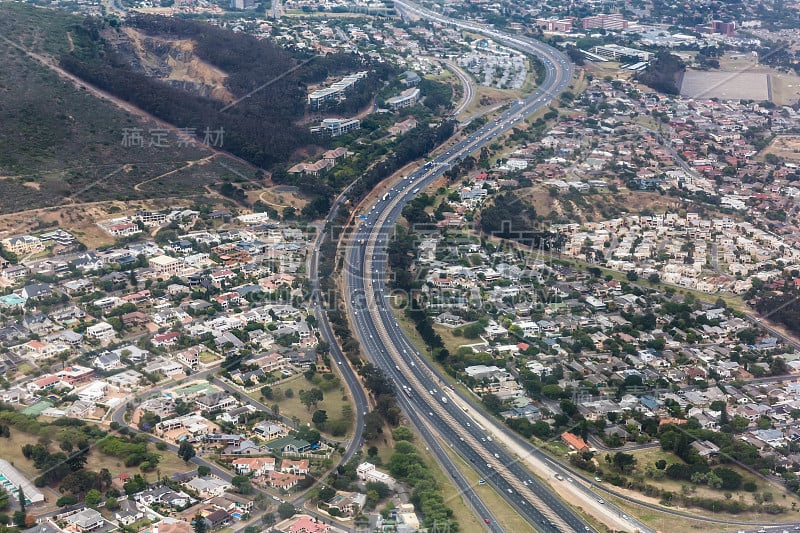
column 295, row 466
column 46, row 383
column 306, row 524
column 282, row 480
column 166, row 339
column 258, row 466
column 574, row 442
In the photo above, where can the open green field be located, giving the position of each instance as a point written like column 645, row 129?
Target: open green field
column 333, row 401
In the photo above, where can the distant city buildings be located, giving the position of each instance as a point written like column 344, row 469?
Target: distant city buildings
column 718, row 27
column 603, row 21
column 242, row 4
column 552, row 24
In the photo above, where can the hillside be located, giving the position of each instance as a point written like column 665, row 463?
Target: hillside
column 66, row 144
column 198, row 76
column 60, row 144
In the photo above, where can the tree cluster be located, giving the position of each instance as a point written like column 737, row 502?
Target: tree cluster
column 663, row 73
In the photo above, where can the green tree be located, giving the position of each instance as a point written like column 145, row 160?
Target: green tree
column 403, row 433
column 492, row 403
column 203, row 471
column 285, row 510
column 624, row 461
column 242, row 484
column 112, row 504
column 310, row 398
column 326, row 493
column 186, row 451
column 66, row 500
column 319, row 418
column 199, row 524
column 93, row 498
column 22, row 503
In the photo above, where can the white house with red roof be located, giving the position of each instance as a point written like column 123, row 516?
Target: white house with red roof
column 258, row 466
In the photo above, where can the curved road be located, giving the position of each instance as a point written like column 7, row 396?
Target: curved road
column 467, row 83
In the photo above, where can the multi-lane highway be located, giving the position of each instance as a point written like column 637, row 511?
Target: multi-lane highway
column 420, row 392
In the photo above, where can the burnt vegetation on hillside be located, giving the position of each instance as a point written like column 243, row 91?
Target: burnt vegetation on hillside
column 509, row 218
column 663, row 73
column 268, row 82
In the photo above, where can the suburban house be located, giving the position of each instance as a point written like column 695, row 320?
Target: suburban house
column 348, row 502
column 86, row 520
column 107, row 361
column 101, row 331
column 574, row 442
column 369, row 473
column 289, row 445
column 258, row 466
column 208, row 487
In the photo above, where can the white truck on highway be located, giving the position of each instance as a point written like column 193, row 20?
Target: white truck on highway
column 444, row 399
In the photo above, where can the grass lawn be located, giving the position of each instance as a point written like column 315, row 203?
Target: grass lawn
column 12, row 452
column 452, row 342
column 208, row 357
column 333, row 401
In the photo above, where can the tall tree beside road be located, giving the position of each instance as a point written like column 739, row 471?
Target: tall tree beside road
column 186, row 451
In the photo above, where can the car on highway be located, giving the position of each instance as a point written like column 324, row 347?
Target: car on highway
column 601, row 500
column 481, row 482
column 598, row 479
column 486, row 520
